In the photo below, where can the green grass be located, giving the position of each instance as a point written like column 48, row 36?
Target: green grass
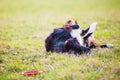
column 24, row 25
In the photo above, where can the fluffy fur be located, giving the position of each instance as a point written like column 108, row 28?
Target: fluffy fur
column 72, row 38
column 61, row 41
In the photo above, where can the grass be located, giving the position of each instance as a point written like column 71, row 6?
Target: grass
column 24, row 25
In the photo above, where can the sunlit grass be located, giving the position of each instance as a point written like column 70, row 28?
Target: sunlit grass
column 24, row 25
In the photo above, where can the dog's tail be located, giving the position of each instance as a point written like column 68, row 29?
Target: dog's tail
column 107, row 46
column 94, row 44
column 102, row 46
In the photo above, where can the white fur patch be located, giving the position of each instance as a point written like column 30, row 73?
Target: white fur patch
column 75, row 33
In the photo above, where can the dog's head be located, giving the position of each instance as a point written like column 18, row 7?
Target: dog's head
column 70, row 23
column 74, row 29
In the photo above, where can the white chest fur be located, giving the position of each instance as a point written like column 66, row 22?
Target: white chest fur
column 75, row 33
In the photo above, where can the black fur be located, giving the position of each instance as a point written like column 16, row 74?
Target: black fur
column 61, row 41
column 75, row 27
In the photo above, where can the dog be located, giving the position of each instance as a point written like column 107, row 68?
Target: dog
column 72, row 38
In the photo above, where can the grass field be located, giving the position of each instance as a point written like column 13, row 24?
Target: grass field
column 24, row 25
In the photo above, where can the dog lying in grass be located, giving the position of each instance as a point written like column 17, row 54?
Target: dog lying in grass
column 72, row 38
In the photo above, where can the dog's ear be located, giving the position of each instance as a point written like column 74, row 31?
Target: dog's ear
column 67, row 24
column 73, row 22
column 76, row 22
column 70, row 23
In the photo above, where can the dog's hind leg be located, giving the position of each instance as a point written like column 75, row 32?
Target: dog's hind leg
column 89, row 31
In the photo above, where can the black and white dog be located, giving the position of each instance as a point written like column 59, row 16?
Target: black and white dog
column 72, row 38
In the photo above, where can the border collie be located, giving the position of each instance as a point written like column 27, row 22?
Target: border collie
column 72, row 38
